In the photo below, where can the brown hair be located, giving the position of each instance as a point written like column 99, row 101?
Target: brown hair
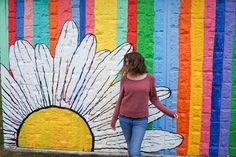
column 136, row 64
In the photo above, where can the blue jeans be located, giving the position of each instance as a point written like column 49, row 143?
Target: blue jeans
column 134, row 130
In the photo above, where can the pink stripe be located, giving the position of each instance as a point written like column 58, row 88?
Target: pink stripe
column 64, row 13
column 28, row 20
column 209, row 34
column 90, row 16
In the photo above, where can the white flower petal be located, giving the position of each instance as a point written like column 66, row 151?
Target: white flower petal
column 110, row 142
column 163, row 92
column 101, row 80
column 155, row 140
column 105, row 106
column 14, row 100
column 154, row 113
column 68, row 41
column 76, row 74
column 65, row 49
column 44, row 71
column 22, row 57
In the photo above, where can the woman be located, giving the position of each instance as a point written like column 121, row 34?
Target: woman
column 136, row 87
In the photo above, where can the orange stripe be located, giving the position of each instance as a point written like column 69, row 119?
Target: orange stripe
column 54, row 34
column 184, row 74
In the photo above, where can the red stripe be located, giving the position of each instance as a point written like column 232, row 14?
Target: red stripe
column 12, row 21
column 132, row 23
column 64, row 13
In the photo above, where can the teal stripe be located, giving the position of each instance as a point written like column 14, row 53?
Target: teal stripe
column 4, row 33
column 41, row 23
column 122, row 18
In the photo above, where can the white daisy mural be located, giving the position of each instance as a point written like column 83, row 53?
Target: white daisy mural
column 66, row 102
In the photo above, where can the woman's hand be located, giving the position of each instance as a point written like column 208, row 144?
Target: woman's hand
column 113, row 127
column 176, row 116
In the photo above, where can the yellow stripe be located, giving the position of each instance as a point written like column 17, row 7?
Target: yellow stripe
column 105, row 24
column 197, row 43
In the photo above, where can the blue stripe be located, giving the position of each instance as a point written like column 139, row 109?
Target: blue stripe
column 76, row 14
column 160, row 62
column 172, row 63
column 217, row 78
column 159, row 46
column 82, row 19
column 19, row 19
column 166, row 58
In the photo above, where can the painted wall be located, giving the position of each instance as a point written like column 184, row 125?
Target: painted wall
column 59, row 69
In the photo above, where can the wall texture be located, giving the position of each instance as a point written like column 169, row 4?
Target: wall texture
column 59, row 69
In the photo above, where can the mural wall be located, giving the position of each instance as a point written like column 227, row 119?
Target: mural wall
column 59, row 73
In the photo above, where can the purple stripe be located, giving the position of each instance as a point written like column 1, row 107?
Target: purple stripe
column 227, row 78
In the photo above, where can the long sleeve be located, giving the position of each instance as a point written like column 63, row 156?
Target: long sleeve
column 117, row 108
column 155, row 100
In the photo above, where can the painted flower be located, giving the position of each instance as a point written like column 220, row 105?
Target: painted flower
column 66, row 102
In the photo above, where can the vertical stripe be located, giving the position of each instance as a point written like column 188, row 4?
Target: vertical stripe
column 232, row 131
column 19, row 19
column 4, row 59
column 145, row 28
column 76, row 14
column 159, row 56
column 227, row 78
column 12, row 21
column 160, row 53
column 41, row 23
column 209, row 32
column 166, row 57
column 132, row 23
column 54, row 34
column 159, row 67
column 122, row 17
column 28, row 20
column 172, row 63
column 184, row 74
column 82, row 19
column 197, row 41
column 217, row 78
column 89, row 16
column 105, row 24
column 64, row 13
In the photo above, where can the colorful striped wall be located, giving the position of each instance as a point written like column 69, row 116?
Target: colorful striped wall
column 188, row 45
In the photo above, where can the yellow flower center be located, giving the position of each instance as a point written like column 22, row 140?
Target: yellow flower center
column 55, row 128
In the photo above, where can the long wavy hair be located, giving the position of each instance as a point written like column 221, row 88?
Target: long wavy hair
column 133, row 63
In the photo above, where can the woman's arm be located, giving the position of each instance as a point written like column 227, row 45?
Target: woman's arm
column 155, row 100
column 117, row 108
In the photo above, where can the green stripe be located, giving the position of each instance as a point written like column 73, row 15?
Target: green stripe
column 122, row 15
column 41, row 22
column 4, row 33
column 145, row 29
column 232, row 134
